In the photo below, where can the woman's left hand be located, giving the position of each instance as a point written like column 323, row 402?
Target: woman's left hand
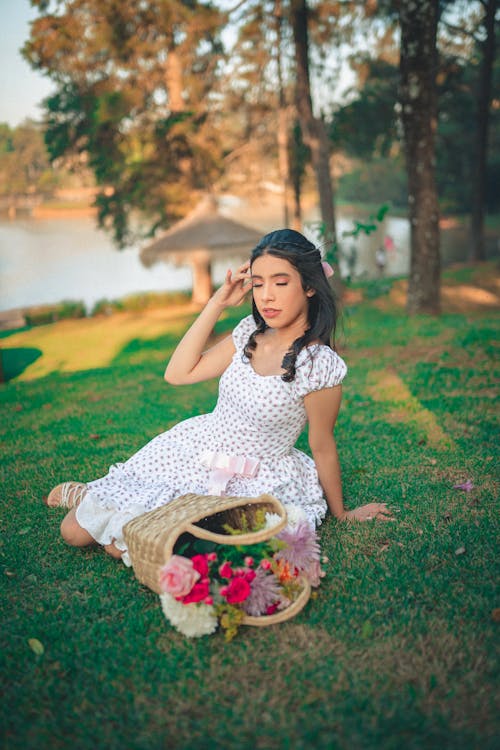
column 235, row 287
column 369, row 512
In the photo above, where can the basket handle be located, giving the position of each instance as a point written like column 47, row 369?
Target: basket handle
column 284, row 614
column 252, row 537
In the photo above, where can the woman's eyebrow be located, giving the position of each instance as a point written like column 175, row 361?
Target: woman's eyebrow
column 274, row 275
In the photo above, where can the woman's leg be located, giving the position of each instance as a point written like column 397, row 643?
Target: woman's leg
column 113, row 551
column 74, row 534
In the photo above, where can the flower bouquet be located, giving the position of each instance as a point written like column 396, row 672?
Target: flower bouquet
column 205, row 584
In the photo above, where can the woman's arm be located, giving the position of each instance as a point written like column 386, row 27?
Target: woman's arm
column 190, row 363
column 322, row 409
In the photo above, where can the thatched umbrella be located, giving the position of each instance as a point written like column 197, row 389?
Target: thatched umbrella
column 196, row 240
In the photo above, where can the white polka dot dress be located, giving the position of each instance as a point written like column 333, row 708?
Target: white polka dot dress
column 244, row 447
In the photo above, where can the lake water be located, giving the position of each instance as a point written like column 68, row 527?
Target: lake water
column 49, row 260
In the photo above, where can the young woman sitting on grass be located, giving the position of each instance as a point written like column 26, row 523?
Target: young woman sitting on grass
column 278, row 370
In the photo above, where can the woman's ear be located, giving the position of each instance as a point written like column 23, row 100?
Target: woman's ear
column 310, row 292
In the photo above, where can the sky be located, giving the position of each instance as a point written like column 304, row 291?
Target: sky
column 21, row 88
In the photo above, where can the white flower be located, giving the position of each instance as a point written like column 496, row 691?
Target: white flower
column 295, row 514
column 192, row 620
column 272, row 520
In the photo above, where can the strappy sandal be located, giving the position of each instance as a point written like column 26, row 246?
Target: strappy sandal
column 66, row 495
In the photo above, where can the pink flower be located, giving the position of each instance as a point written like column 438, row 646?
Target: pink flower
column 313, row 573
column 272, row 608
column 209, row 600
column 249, row 562
column 466, row 486
column 327, row 269
column 389, row 243
column 212, row 557
column 225, row 570
column 250, row 575
column 237, row 591
column 265, row 591
column 198, row 593
column 200, row 564
column 302, row 545
column 178, row 576
column 265, row 564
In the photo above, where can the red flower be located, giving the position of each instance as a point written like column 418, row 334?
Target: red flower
column 225, row 570
column 198, row 593
column 200, row 564
column 250, row 575
column 272, row 609
column 237, row 591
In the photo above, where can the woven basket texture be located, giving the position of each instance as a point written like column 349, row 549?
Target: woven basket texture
column 151, row 537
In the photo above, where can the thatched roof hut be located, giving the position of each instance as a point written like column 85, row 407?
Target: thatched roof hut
column 198, row 239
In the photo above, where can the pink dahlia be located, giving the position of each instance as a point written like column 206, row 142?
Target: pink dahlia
column 237, row 591
column 200, row 564
column 198, row 593
column 225, row 570
column 302, row 546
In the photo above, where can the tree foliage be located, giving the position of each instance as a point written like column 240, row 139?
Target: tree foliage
column 24, row 164
column 135, row 88
column 368, row 127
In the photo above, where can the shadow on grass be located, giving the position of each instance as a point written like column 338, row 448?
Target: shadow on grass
column 16, row 360
column 139, row 351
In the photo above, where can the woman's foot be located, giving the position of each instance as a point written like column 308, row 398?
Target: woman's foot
column 66, row 495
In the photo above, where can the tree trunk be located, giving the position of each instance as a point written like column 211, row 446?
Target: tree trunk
column 201, row 266
column 174, row 81
column 313, row 128
column 477, row 249
column 283, row 167
column 419, row 115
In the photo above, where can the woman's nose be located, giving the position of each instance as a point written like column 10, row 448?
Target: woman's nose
column 267, row 292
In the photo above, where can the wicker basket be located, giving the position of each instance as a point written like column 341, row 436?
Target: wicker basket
column 151, row 537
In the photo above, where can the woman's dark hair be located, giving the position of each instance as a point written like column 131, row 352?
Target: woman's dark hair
column 322, row 313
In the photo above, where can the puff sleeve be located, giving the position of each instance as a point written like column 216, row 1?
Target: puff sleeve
column 316, row 368
column 241, row 333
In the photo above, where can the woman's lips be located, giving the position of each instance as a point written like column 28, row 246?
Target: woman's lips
column 269, row 312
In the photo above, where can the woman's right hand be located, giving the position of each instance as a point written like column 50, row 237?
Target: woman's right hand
column 235, row 287
column 369, row 512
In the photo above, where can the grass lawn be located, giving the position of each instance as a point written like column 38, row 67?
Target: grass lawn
column 398, row 648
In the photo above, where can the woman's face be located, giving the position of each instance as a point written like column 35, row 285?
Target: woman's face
column 278, row 293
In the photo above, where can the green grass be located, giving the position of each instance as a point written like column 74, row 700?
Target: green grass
column 397, row 650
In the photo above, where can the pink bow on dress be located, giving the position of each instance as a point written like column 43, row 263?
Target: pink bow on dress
column 223, row 467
